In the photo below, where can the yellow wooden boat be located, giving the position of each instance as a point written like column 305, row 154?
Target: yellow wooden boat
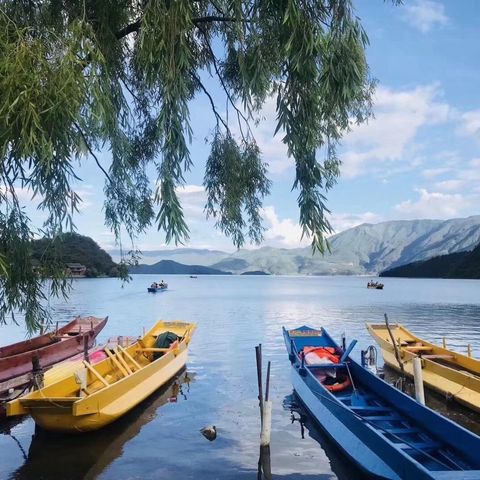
column 450, row 373
column 96, row 395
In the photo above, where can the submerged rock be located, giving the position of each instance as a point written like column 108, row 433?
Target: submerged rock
column 210, row 432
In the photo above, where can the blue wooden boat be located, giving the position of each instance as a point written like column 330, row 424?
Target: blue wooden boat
column 385, row 432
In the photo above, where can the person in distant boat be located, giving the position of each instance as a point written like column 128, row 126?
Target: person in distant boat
column 153, row 285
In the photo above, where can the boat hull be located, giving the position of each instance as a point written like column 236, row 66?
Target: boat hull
column 385, row 432
column 335, row 428
column 54, row 419
column 459, row 382
column 71, row 343
column 97, row 394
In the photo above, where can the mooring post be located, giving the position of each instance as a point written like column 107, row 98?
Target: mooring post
column 258, row 353
column 444, row 342
column 469, row 350
column 85, row 348
column 37, row 373
column 267, row 414
column 418, row 379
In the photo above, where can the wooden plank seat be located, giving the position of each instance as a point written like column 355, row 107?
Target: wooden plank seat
column 370, row 408
column 401, row 430
column 439, row 357
column 418, row 348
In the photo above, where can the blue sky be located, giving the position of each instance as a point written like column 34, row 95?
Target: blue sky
column 418, row 158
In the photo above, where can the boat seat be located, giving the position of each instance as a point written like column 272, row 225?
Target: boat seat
column 370, row 408
column 418, row 348
column 383, row 418
column 402, row 430
column 414, row 446
column 433, row 357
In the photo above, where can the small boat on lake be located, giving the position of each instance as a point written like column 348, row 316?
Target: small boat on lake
column 375, row 285
column 385, row 432
column 49, row 349
column 450, row 373
column 157, row 287
column 96, row 395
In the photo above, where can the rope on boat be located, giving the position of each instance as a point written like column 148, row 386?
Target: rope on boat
column 27, row 386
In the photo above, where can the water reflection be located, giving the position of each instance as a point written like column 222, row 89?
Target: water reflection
column 84, row 457
column 234, row 314
column 341, row 465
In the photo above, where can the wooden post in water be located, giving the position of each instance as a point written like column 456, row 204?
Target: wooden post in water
column 267, row 414
column 37, row 373
column 418, row 379
column 444, row 342
column 85, row 348
column 469, row 350
column 264, row 465
column 258, row 354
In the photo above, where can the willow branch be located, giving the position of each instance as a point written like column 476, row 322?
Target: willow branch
column 229, row 96
column 212, row 103
column 135, row 26
column 97, row 161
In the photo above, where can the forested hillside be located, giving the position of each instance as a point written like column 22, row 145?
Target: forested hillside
column 455, row 265
column 75, row 248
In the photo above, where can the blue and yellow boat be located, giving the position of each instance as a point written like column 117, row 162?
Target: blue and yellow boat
column 385, row 432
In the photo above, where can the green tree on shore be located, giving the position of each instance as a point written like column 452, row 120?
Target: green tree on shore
column 84, row 75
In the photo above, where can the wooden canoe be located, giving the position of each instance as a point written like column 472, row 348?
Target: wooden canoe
column 96, row 395
column 51, row 348
column 450, row 373
column 384, row 432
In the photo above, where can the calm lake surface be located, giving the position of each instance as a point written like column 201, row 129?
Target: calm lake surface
column 160, row 439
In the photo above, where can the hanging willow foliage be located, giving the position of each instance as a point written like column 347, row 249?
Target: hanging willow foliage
column 84, row 75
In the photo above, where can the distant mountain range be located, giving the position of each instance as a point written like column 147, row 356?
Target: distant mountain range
column 170, row 267
column 454, row 265
column 365, row 249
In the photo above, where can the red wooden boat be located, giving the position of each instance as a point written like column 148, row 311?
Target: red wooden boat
column 50, row 348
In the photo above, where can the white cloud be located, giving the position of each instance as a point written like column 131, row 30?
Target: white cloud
column 24, row 195
column 449, row 185
column 86, row 194
column 424, row 15
column 390, row 135
column 274, row 151
column 435, row 172
column 284, row 233
column 470, row 125
column 193, row 199
column 433, row 205
column 344, row 221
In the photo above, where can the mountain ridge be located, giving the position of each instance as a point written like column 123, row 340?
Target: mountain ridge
column 365, row 249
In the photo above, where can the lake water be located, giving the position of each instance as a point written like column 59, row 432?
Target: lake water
column 161, row 438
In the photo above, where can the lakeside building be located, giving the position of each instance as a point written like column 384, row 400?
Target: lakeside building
column 76, row 270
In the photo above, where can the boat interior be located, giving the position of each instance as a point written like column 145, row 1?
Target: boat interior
column 426, row 350
column 121, row 362
column 381, row 415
